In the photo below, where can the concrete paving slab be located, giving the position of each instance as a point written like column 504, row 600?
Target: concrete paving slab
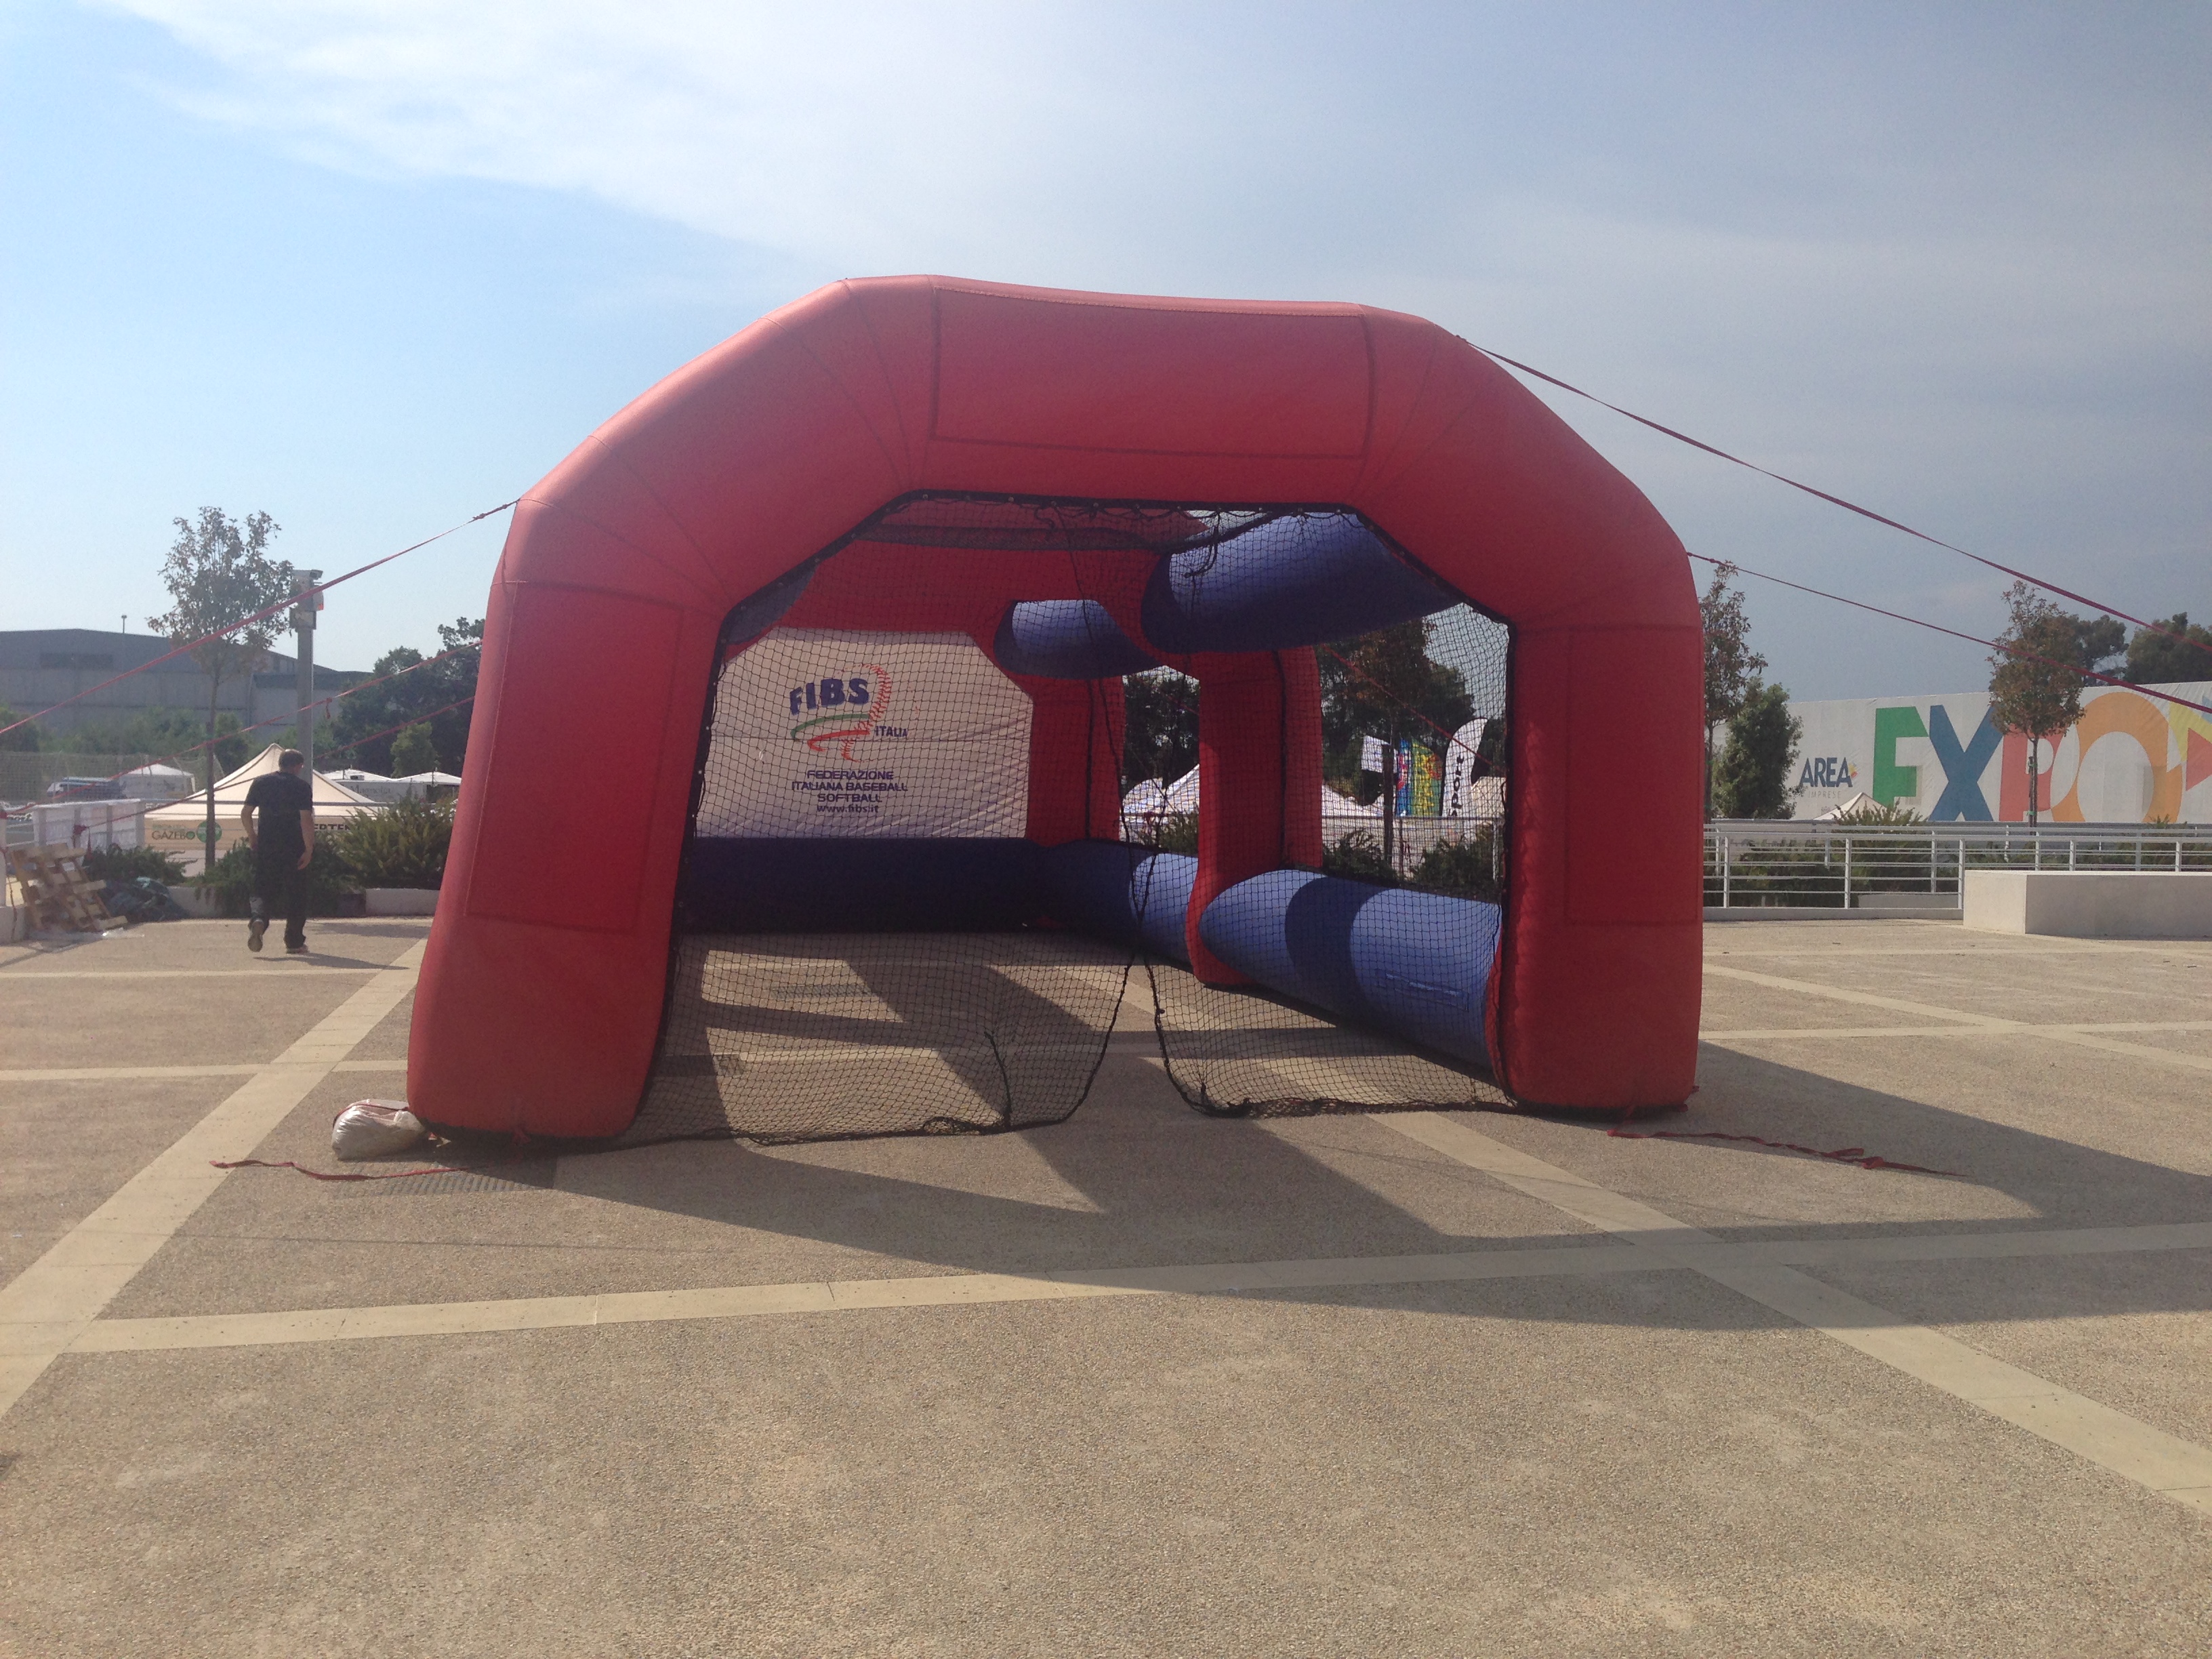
column 198, row 946
column 2022, row 988
column 1639, row 1461
column 1222, row 1476
column 2133, row 1331
column 56, row 1022
column 65, row 1146
column 2181, row 1043
column 389, row 1040
column 1735, row 1005
column 1133, row 1179
column 2069, row 1138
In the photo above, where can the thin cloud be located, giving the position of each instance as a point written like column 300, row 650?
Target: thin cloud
column 1953, row 266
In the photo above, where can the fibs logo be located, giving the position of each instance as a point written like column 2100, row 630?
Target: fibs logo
column 841, row 709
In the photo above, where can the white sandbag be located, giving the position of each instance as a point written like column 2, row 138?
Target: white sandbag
column 370, row 1128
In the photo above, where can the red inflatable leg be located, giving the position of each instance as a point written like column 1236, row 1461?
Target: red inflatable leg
column 1075, row 749
column 1259, row 779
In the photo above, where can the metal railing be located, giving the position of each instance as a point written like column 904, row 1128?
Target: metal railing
column 1755, row 863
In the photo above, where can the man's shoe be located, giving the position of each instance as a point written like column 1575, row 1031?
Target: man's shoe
column 254, row 930
column 295, row 949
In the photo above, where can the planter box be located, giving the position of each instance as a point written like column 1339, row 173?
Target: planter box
column 196, row 902
column 2091, row 904
column 402, row 901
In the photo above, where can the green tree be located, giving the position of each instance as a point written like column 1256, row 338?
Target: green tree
column 24, row 739
column 427, row 694
column 2155, row 659
column 412, row 751
column 2100, row 642
column 1160, row 733
column 2036, row 680
column 1732, row 667
column 219, row 574
column 165, row 732
column 1752, row 778
column 1385, row 684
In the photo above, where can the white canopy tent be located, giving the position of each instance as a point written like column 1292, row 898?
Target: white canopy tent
column 1155, row 798
column 156, row 782
column 177, row 827
column 1861, row 802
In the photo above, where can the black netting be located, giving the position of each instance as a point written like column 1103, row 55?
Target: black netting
column 946, row 803
column 1431, row 693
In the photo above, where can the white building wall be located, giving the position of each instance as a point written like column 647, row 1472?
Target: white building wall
column 2131, row 758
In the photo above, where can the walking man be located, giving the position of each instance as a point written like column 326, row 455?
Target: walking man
column 280, row 829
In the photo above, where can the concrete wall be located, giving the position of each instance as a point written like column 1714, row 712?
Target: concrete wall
column 2091, row 904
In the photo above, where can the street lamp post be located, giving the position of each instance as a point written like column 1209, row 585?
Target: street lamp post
column 303, row 629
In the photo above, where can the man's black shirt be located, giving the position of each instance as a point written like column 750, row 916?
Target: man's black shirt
column 277, row 799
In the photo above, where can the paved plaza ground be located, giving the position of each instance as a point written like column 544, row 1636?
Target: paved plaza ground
column 1142, row 1383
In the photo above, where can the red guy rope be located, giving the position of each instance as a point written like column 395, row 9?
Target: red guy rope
column 461, row 703
column 1858, row 1155
column 1972, row 639
column 325, row 702
column 1834, row 501
column 284, row 604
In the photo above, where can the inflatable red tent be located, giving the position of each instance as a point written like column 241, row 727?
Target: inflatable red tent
column 716, row 622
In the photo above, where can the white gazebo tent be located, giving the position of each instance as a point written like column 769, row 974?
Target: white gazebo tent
column 177, row 827
column 1153, row 799
column 155, row 783
column 1861, row 802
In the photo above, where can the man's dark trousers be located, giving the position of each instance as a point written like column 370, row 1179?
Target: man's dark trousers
column 281, row 885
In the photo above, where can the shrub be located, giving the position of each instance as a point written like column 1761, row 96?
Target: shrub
column 401, row 845
column 129, row 863
column 1358, row 857
column 330, row 881
column 1463, row 867
column 1166, row 832
column 1875, row 812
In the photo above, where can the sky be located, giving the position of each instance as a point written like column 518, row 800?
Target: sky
column 374, row 267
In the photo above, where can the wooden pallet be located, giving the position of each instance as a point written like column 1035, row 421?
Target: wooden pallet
column 61, row 896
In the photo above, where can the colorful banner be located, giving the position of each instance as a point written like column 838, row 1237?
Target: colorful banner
column 2131, row 759
column 1420, row 780
column 1467, row 793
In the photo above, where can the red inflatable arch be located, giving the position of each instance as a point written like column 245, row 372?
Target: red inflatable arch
column 542, row 994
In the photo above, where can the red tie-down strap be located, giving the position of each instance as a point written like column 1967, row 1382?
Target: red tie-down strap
column 517, row 1149
column 1858, row 1155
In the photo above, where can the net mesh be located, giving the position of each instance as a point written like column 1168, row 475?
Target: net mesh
column 947, row 809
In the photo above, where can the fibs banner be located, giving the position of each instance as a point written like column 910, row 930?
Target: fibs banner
column 819, row 733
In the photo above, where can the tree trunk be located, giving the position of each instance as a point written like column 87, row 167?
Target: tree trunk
column 2034, row 744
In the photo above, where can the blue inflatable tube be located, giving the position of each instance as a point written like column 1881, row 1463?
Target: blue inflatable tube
column 1414, row 965
column 1284, row 583
column 1119, row 891
column 1067, row 640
